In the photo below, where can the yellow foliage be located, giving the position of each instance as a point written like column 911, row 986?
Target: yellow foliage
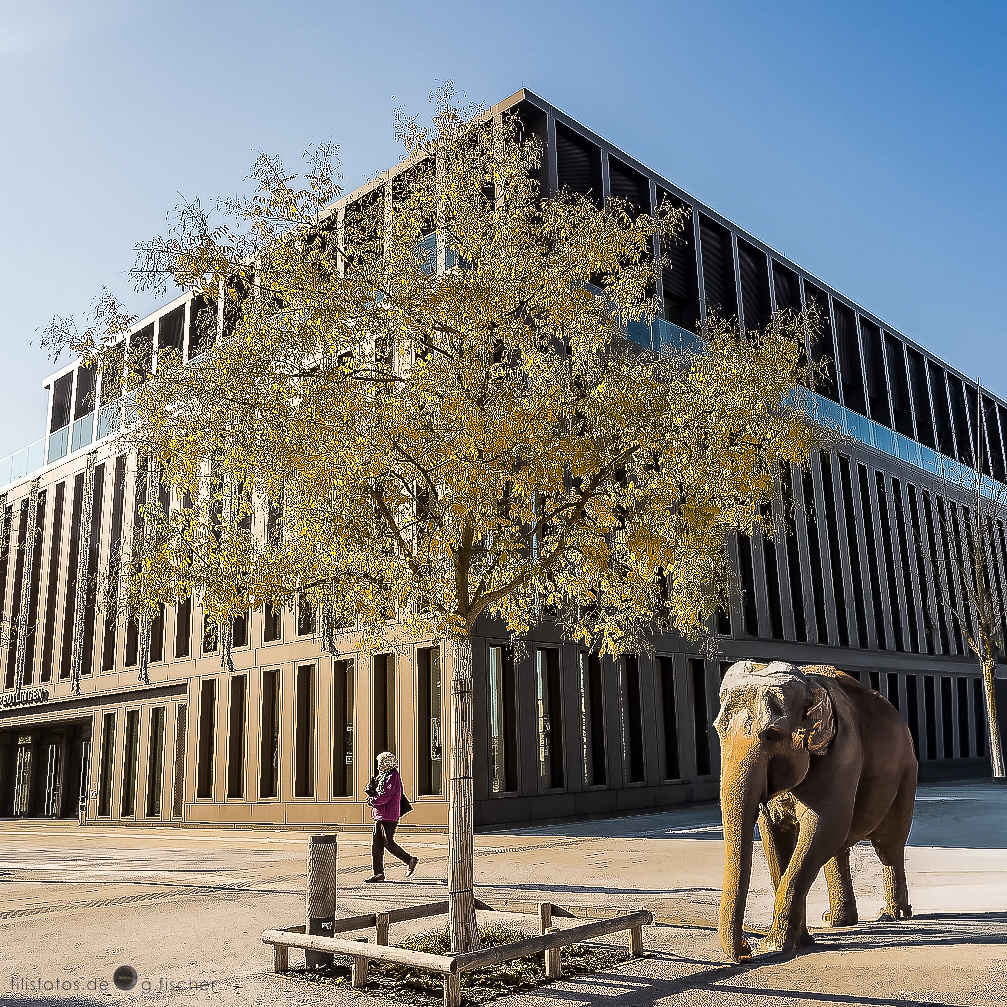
column 450, row 417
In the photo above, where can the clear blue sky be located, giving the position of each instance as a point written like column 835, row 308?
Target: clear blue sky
column 864, row 140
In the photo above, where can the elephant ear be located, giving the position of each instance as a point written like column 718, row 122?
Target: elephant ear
column 820, row 721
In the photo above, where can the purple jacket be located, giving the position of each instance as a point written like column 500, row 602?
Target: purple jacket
column 387, row 807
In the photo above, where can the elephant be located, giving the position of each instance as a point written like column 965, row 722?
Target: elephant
column 822, row 762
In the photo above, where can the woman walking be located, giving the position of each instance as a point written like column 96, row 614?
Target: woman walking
column 386, row 807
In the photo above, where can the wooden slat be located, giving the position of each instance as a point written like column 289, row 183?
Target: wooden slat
column 453, row 990
column 417, row 912
column 354, row 949
column 545, row 942
column 348, row 923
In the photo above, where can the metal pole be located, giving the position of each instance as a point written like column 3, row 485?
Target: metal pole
column 321, row 893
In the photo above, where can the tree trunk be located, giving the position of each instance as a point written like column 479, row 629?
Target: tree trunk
column 989, row 688
column 461, row 902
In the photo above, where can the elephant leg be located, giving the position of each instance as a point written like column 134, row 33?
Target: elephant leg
column 815, row 846
column 778, row 842
column 779, row 839
column 889, row 840
column 842, row 900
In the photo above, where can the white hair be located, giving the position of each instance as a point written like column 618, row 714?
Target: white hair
column 387, row 759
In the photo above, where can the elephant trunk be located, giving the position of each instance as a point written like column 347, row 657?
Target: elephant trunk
column 741, row 790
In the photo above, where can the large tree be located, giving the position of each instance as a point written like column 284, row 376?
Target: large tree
column 421, row 409
column 979, row 609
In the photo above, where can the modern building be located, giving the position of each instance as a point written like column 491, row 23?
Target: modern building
column 856, row 577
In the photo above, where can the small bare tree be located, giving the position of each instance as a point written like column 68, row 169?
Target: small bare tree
column 979, row 610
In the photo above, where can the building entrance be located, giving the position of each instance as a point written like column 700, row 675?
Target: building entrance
column 22, row 776
column 44, row 769
column 53, row 779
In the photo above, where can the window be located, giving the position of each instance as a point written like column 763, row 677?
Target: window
column 874, row 365
column 272, row 623
column 269, row 753
column 15, row 620
column 964, row 743
column 853, row 546
column 870, row 524
column 907, row 570
column 183, row 627
column 930, row 711
column 749, row 605
column 503, row 726
column 822, row 350
column 34, row 586
column 921, row 397
column 114, row 564
column 156, row 651
column 632, row 722
column 850, row 368
column 889, row 555
column 893, row 689
column 669, row 705
column 429, row 730
column 178, row 797
column 795, row 582
column 305, row 616
column 754, row 268
column 209, row 635
column 155, row 762
column 548, row 693
column 239, row 630
column 106, row 764
column 899, row 378
column 592, row 711
column 207, row 723
column 236, row 737
column 979, row 711
column 52, row 591
column 91, row 572
column 913, row 712
column 702, row 719
column 947, row 718
column 815, row 555
column 835, row 556
column 130, row 756
column 342, row 729
column 772, row 570
column 384, row 703
column 718, row 269
column 304, row 731
column 921, row 573
column 935, row 568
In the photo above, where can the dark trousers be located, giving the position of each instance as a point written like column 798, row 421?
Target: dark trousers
column 384, row 839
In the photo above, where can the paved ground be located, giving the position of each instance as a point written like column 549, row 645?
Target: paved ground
column 186, row 908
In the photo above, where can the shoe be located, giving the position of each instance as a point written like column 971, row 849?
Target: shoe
column 413, row 861
column 374, row 878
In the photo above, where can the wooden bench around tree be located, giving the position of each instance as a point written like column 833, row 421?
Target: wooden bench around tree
column 549, row 942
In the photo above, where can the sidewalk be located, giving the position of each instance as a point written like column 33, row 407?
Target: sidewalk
column 187, row 907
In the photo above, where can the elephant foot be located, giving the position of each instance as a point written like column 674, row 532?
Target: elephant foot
column 742, row 953
column 785, row 943
column 841, row 918
column 892, row 914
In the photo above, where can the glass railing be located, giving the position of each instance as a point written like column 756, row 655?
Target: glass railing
column 108, row 419
column 19, row 464
column 66, row 440
column 59, row 444
column 83, row 432
column 891, row 442
column 661, row 335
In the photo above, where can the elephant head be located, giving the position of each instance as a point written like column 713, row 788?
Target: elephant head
column 772, row 719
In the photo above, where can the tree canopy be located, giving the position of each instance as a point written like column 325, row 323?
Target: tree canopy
column 427, row 391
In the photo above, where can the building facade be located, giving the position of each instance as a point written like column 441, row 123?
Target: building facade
column 869, row 546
